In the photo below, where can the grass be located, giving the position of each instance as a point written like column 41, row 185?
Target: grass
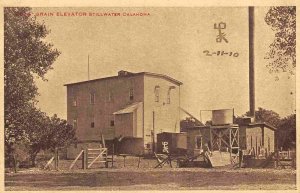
column 147, row 178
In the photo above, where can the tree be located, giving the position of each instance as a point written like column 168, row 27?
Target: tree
column 188, row 123
column 26, row 56
column 267, row 116
column 33, row 136
column 286, row 127
column 47, row 133
column 287, row 132
column 282, row 53
column 62, row 134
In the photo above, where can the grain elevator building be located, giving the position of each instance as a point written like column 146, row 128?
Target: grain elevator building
column 133, row 107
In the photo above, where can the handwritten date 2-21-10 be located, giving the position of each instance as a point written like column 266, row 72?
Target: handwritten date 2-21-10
column 220, row 53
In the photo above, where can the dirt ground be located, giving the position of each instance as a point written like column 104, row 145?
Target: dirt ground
column 146, row 177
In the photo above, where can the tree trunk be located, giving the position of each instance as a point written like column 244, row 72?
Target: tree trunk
column 11, row 158
column 32, row 158
column 8, row 156
column 15, row 163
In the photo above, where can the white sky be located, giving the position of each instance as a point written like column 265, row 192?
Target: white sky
column 170, row 41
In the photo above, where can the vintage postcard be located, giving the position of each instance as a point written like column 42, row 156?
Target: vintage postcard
column 149, row 97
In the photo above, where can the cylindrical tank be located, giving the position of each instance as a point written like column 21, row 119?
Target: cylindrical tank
column 222, row 117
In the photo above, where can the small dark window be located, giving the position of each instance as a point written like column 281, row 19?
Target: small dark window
column 131, row 94
column 198, row 142
column 92, row 98
column 109, row 97
column 156, row 91
column 74, row 102
column 92, row 124
column 112, row 123
column 75, row 123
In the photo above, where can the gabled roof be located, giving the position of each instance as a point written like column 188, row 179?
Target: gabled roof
column 130, row 74
column 162, row 76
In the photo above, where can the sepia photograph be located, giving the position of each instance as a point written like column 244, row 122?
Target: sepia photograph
column 149, row 98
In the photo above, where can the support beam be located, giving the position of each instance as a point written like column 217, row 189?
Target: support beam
column 189, row 114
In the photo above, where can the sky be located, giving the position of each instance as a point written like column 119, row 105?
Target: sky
column 170, row 41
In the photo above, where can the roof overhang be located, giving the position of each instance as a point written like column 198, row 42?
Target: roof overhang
column 162, row 76
column 128, row 109
column 264, row 124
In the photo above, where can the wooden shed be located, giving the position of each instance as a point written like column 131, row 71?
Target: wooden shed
column 257, row 138
column 196, row 138
column 222, row 141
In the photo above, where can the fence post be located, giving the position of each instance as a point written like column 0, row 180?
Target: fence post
column 85, row 159
column 277, row 159
column 112, row 157
column 240, row 157
column 82, row 158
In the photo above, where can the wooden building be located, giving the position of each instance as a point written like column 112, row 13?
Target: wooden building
column 257, row 138
column 196, row 138
column 253, row 138
column 223, row 135
column 133, row 107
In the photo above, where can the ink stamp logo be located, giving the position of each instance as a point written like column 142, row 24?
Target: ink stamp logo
column 165, row 147
column 221, row 35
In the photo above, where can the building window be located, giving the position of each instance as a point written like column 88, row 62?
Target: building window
column 92, row 124
column 156, row 92
column 148, row 146
column 75, row 123
column 109, row 97
column 169, row 94
column 92, row 98
column 112, row 123
column 74, row 102
column 198, row 142
column 131, row 94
